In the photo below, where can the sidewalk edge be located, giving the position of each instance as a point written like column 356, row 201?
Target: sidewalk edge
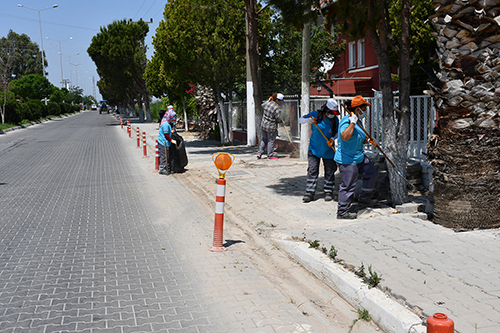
column 388, row 314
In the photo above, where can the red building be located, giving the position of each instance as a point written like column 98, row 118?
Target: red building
column 356, row 72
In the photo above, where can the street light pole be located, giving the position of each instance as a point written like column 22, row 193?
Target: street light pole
column 69, row 62
column 60, row 56
column 40, row 25
column 76, row 72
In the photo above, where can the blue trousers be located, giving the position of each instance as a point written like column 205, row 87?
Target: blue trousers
column 349, row 174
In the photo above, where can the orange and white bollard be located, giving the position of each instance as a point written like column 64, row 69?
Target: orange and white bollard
column 129, row 129
column 138, row 138
column 121, row 122
column 219, row 215
column 157, row 158
column 223, row 162
column 145, row 154
column 440, row 323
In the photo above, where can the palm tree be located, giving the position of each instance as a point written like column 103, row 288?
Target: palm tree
column 465, row 150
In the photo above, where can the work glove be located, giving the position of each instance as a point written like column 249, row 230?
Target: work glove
column 330, row 143
column 353, row 118
column 311, row 120
column 174, row 142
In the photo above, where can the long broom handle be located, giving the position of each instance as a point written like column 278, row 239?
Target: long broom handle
column 319, row 129
column 369, row 136
column 289, row 138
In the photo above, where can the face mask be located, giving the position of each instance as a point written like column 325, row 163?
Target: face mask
column 330, row 116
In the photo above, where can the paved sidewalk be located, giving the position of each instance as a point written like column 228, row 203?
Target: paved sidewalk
column 425, row 268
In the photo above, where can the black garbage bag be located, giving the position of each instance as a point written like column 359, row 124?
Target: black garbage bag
column 180, row 156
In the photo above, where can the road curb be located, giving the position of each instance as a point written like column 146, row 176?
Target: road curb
column 388, row 314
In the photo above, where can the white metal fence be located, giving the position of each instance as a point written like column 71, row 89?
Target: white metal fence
column 421, row 120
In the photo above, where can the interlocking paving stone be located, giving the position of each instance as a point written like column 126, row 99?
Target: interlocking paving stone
column 91, row 241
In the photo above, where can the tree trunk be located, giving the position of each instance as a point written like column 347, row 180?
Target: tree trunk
column 400, row 190
column 220, row 113
column 186, row 125
column 230, row 112
column 147, row 110
column 253, row 54
column 379, row 37
column 306, row 83
column 4, row 103
column 465, row 150
column 139, row 103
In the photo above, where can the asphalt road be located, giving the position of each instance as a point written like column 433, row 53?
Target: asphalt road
column 92, row 241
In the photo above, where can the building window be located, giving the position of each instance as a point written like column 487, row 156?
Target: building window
column 361, row 53
column 352, row 54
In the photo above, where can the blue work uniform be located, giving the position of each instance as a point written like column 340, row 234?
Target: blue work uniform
column 352, row 162
column 319, row 149
column 165, row 148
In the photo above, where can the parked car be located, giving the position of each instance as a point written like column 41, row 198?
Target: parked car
column 94, row 107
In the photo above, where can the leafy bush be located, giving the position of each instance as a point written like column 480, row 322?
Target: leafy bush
column 53, row 109
column 75, row 108
column 36, row 108
column 65, row 108
column 24, row 113
column 12, row 112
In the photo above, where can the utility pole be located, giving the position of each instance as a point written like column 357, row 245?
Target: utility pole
column 93, row 87
column 41, row 38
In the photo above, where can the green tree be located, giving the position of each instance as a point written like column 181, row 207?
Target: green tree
column 119, row 53
column 199, row 41
column 282, row 55
column 59, row 95
column 26, row 54
column 32, row 87
column 423, row 56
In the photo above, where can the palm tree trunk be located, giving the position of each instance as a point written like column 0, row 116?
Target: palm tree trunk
column 465, row 150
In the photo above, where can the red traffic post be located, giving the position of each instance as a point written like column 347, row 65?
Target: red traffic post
column 223, row 162
column 157, row 158
column 145, row 154
column 121, row 122
column 440, row 323
column 138, row 138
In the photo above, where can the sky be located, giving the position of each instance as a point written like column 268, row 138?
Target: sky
column 80, row 20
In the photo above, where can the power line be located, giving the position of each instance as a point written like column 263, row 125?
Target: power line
column 46, row 22
column 139, row 9
column 149, row 9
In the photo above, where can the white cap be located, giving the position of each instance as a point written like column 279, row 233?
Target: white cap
column 170, row 107
column 332, row 105
column 280, row 97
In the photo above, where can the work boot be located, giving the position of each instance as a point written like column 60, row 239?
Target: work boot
column 347, row 216
column 368, row 203
column 307, row 198
column 328, row 197
column 163, row 172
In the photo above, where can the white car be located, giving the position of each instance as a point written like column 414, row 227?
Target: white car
column 94, row 107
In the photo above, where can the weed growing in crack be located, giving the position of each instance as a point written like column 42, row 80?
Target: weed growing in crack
column 333, row 253
column 374, row 279
column 362, row 315
column 360, row 272
column 314, row 244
